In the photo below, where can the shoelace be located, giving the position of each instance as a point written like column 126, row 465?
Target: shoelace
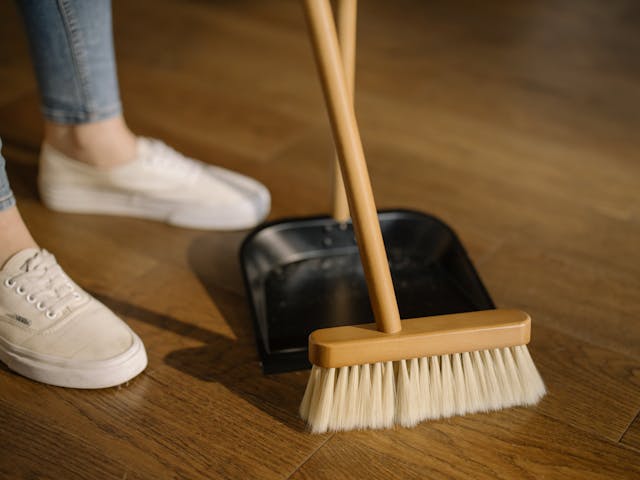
column 162, row 156
column 44, row 284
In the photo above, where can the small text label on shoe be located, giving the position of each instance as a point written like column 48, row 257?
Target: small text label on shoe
column 24, row 321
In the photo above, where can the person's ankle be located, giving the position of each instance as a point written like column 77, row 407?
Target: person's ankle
column 14, row 235
column 103, row 144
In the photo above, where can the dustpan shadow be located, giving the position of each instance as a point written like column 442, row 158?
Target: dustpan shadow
column 278, row 399
column 213, row 257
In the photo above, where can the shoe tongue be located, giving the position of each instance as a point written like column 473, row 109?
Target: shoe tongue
column 19, row 259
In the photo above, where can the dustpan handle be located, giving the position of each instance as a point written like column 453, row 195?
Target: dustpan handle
column 346, row 18
column 353, row 166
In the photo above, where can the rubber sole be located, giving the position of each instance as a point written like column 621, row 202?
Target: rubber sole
column 87, row 375
column 105, row 202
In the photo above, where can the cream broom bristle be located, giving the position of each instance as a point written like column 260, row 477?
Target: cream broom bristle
column 410, row 391
column 474, row 395
column 308, row 393
column 459, row 387
column 493, row 396
column 425, row 391
column 351, row 417
column 435, row 389
column 376, row 396
column 447, row 403
column 340, row 399
column 388, row 397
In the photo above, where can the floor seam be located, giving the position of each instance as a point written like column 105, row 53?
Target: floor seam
column 304, row 462
column 637, row 417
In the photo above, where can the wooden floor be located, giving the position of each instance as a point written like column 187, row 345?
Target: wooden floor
column 516, row 122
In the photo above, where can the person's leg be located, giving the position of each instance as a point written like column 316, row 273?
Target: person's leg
column 50, row 329
column 72, row 46
column 105, row 143
column 14, row 235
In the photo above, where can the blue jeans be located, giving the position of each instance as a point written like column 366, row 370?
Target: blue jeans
column 6, row 195
column 71, row 44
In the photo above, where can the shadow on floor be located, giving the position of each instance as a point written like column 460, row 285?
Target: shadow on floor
column 232, row 363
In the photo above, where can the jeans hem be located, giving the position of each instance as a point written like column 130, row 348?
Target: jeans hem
column 7, row 202
column 69, row 117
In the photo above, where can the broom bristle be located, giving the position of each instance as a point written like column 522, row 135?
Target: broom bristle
column 407, row 392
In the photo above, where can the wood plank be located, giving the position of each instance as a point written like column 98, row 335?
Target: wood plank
column 551, row 282
column 35, row 458
column 15, row 67
column 233, row 110
column 21, row 123
column 511, row 444
column 149, row 428
column 580, row 375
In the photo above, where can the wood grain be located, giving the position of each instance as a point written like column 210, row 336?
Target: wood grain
column 513, row 444
column 515, row 122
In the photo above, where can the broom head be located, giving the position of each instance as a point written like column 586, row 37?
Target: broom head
column 435, row 367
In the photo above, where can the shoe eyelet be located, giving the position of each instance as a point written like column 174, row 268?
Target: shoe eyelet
column 30, row 298
column 76, row 295
column 41, row 306
column 51, row 315
column 9, row 283
column 20, row 290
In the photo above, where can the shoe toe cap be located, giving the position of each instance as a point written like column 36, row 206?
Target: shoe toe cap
column 228, row 201
column 107, row 336
column 92, row 334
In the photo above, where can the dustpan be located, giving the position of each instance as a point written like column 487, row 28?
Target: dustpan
column 304, row 274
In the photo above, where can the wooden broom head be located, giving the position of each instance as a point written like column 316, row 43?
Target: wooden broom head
column 420, row 337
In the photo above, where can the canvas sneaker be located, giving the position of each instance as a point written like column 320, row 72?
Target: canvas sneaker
column 159, row 184
column 54, row 332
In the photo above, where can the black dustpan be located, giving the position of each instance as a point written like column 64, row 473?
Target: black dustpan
column 305, row 274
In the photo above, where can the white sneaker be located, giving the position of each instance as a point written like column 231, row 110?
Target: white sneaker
column 160, row 184
column 54, row 332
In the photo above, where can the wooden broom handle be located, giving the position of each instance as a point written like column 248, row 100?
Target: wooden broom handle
column 346, row 20
column 353, row 165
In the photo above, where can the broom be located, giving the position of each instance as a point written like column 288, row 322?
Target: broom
column 392, row 371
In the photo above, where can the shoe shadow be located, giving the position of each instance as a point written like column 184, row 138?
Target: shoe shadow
column 233, row 363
